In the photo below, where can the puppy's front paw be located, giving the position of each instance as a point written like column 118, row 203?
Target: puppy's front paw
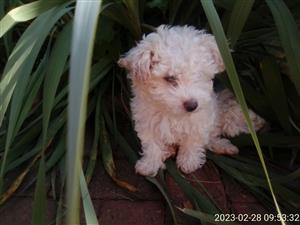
column 189, row 162
column 147, row 167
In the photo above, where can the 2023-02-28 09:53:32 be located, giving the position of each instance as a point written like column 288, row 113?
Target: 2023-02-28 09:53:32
column 293, row 217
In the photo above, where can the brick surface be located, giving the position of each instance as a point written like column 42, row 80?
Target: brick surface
column 209, row 177
column 125, row 212
column 236, row 193
column 253, row 209
column 18, row 211
column 116, row 206
column 103, row 187
column 227, row 194
column 243, row 202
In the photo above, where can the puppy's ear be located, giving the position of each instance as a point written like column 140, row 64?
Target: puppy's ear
column 210, row 42
column 138, row 63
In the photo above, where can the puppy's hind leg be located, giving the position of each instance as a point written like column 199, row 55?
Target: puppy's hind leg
column 231, row 119
column 151, row 160
column 222, row 146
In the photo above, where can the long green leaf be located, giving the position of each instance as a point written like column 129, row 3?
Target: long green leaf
column 20, row 64
column 117, row 11
column 26, row 12
column 94, row 149
column 55, row 68
column 238, row 18
column 32, row 89
column 25, row 53
column 174, row 7
column 55, row 126
column 134, row 14
column 278, row 140
column 7, row 39
column 89, row 211
column 218, row 31
column 85, row 22
column 107, row 157
column 203, row 202
column 133, row 158
column 275, row 92
column 166, row 196
column 106, row 150
column 131, row 155
column 289, row 37
column 40, row 195
column 205, row 217
column 226, row 4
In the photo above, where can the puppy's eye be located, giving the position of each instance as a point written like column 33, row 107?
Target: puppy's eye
column 171, row 79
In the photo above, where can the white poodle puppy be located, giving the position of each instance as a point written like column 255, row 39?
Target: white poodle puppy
column 174, row 106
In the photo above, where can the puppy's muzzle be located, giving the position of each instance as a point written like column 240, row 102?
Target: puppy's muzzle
column 190, row 105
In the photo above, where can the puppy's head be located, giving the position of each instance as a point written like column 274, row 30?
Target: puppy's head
column 174, row 68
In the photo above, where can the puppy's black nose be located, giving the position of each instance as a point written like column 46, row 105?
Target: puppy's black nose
column 190, row 105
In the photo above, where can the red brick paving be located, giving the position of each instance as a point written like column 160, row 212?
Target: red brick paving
column 103, row 187
column 125, row 212
column 116, row 206
column 18, row 211
column 210, row 178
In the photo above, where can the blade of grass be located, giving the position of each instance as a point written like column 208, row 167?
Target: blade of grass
column 56, row 125
column 238, row 18
column 105, row 143
column 37, row 151
column 94, row 150
column 98, row 72
column 253, row 97
column 84, row 29
column 204, row 189
column 289, row 37
column 218, row 31
column 173, row 7
column 55, row 69
column 203, row 202
column 106, row 150
column 7, row 39
column 107, row 157
column 256, row 182
column 20, row 64
column 24, row 55
column 33, row 87
column 59, row 210
column 134, row 14
column 40, row 196
column 226, row 4
column 89, row 211
column 17, row 182
column 117, row 12
column 275, row 92
column 278, row 140
column 59, row 150
column 166, row 196
column 131, row 155
column 204, row 216
column 23, row 139
column 57, row 154
column 26, row 12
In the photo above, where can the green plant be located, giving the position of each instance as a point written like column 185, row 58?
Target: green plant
column 37, row 96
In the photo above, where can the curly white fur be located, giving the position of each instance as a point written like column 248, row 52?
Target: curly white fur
column 174, row 103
